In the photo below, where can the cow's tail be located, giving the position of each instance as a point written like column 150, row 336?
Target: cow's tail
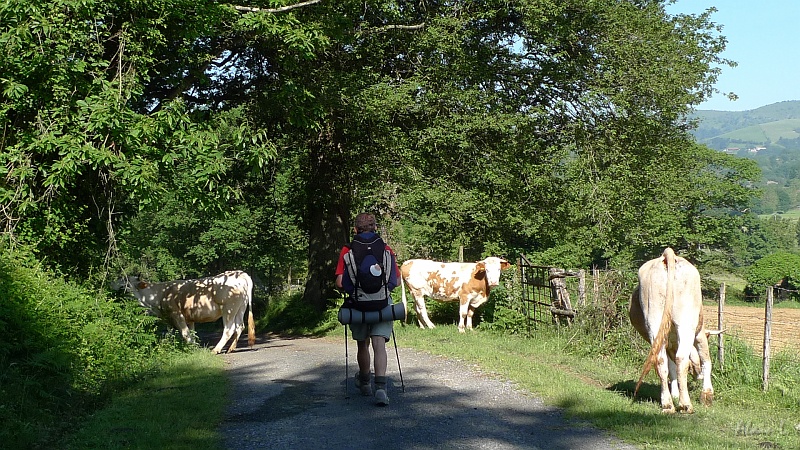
column 660, row 338
column 251, row 324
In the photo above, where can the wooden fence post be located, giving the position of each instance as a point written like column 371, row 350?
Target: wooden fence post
column 767, row 333
column 582, row 288
column 720, row 327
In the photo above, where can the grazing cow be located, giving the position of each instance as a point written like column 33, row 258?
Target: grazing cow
column 183, row 303
column 667, row 309
column 469, row 283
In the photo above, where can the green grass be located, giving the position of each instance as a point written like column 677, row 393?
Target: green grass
column 731, row 280
column 597, row 388
column 591, row 377
column 179, row 408
column 766, row 132
column 792, row 214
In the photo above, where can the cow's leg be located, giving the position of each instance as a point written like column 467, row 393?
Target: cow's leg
column 228, row 329
column 662, row 368
column 180, row 323
column 682, row 356
column 227, row 332
column 463, row 312
column 422, row 312
column 238, row 328
column 695, row 366
column 701, row 342
column 470, row 313
column 673, row 378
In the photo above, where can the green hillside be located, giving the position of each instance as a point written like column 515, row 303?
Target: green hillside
column 766, row 133
column 773, row 126
column 769, row 135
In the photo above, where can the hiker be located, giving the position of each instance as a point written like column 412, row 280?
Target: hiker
column 369, row 287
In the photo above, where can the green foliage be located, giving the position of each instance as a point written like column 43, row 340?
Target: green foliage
column 281, row 125
column 64, row 350
column 97, row 135
column 288, row 314
column 779, row 268
column 503, row 311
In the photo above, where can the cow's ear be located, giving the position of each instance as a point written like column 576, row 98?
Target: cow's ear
column 505, row 265
column 480, row 270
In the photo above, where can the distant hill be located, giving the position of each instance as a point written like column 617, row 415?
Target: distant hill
column 775, row 126
column 770, row 136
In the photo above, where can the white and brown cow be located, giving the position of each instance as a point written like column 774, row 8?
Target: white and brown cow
column 183, row 303
column 667, row 309
column 467, row 283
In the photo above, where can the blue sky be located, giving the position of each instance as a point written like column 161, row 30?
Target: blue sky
column 764, row 38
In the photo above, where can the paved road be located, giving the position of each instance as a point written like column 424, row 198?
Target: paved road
column 290, row 394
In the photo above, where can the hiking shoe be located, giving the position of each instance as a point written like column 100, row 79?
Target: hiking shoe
column 381, row 399
column 363, row 386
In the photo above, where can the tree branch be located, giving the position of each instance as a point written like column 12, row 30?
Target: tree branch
column 245, row 9
column 398, row 27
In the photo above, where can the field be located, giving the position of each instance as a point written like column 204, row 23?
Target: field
column 766, row 132
column 747, row 323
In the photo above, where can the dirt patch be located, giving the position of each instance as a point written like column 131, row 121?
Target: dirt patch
column 747, row 323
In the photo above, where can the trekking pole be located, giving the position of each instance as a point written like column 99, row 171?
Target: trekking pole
column 402, row 383
column 346, row 365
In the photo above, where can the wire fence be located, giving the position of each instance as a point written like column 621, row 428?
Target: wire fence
column 772, row 333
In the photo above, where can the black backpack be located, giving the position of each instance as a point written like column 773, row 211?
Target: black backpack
column 369, row 266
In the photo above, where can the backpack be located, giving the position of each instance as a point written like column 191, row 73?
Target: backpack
column 369, row 266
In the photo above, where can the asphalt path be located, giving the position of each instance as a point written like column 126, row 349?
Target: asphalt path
column 290, row 393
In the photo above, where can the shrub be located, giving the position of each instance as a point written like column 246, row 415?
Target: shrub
column 780, row 268
column 504, row 311
column 63, row 349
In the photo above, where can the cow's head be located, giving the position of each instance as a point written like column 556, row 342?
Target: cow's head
column 133, row 285
column 491, row 268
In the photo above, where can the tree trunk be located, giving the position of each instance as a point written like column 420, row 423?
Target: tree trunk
column 328, row 232
column 328, row 202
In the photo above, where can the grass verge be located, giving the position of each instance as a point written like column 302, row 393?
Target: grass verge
column 592, row 378
column 179, row 408
column 598, row 389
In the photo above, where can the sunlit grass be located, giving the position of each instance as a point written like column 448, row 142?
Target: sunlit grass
column 591, row 378
column 598, row 388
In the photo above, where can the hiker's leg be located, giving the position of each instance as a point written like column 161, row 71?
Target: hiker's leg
column 363, row 357
column 380, row 334
column 360, row 332
column 379, row 347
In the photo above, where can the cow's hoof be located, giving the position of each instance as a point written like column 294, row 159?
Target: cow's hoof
column 668, row 409
column 707, row 397
column 688, row 409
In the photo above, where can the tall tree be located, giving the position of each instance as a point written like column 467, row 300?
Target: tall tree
column 499, row 126
column 107, row 105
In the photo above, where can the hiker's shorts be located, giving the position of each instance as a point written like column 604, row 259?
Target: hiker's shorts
column 360, row 331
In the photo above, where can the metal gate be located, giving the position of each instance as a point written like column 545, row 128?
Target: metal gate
column 545, row 295
column 536, row 292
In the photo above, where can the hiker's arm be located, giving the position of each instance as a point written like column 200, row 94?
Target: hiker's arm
column 394, row 279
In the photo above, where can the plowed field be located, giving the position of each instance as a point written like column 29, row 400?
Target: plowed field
column 747, row 323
